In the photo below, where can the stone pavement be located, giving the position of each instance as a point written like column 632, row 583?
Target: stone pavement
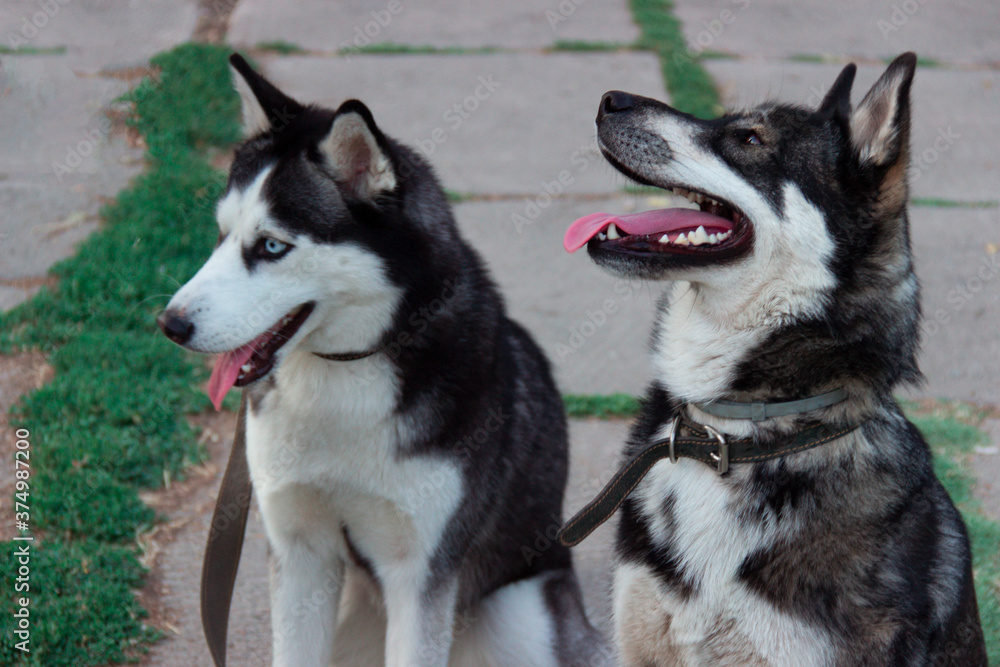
column 62, row 150
column 511, row 131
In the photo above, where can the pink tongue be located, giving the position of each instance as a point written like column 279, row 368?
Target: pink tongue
column 659, row 221
column 227, row 369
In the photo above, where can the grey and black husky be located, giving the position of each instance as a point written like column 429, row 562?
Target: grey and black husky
column 405, row 438
column 793, row 279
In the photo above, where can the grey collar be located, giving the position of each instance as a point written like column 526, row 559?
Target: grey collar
column 761, row 411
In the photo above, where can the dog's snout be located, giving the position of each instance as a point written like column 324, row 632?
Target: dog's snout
column 615, row 101
column 176, row 328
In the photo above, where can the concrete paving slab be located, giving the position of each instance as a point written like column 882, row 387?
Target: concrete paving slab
column 53, row 119
column 498, row 123
column 594, row 447
column 958, row 263
column 60, row 157
column 318, row 25
column 593, row 326
column 962, row 31
column 956, row 130
column 98, row 33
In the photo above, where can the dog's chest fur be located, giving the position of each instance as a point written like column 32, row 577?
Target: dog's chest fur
column 709, row 617
column 326, row 454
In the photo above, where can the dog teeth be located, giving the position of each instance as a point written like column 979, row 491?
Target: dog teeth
column 601, row 236
column 682, row 240
column 613, row 232
column 665, row 238
column 698, row 236
column 681, row 192
column 246, row 368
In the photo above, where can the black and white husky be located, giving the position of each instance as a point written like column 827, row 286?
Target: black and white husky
column 405, row 438
column 793, row 279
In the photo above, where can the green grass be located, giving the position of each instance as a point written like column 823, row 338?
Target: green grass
column 32, row 50
column 689, row 84
column 938, row 202
column 456, row 197
column 392, row 48
column 601, row 405
column 645, row 190
column 709, row 54
column 111, row 423
column 811, row 58
column 583, row 45
column 280, row 46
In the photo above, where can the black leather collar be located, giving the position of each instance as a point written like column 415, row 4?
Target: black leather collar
column 687, row 439
column 348, row 356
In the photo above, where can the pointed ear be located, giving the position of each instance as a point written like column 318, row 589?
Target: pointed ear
column 880, row 126
column 837, row 103
column 356, row 150
column 264, row 106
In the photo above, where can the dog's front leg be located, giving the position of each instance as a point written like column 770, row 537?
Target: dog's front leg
column 305, row 598
column 420, row 613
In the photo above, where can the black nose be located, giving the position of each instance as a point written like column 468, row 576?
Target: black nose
column 615, row 101
column 176, row 328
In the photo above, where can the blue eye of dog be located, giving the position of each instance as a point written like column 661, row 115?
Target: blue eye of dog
column 752, row 139
column 271, row 248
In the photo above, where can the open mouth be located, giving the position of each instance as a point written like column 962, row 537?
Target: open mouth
column 716, row 230
column 254, row 360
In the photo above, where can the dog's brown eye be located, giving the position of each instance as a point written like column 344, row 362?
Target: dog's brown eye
column 752, row 139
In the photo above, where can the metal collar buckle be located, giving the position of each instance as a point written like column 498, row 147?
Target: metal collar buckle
column 673, row 437
column 721, row 457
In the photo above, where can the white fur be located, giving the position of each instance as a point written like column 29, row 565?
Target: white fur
column 511, row 627
column 254, row 117
column 715, row 314
column 712, row 542
column 718, row 315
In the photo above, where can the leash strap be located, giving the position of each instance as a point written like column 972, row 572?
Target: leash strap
column 711, row 448
column 761, row 411
column 225, row 543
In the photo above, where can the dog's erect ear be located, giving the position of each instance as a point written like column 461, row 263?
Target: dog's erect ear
column 356, row 150
column 837, row 103
column 880, row 126
column 264, row 106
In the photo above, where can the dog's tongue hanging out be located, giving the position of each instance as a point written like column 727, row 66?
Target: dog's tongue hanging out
column 227, row 369
column 661, row 221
